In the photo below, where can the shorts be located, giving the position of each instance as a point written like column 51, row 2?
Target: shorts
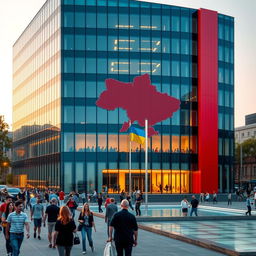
column 184, row 209
column 37, row 223
column 51, row 226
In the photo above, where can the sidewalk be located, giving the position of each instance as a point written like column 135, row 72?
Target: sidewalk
column 148, row 244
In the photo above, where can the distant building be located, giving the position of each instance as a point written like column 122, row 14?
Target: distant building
column 60, row 64
column 250, row 119
column 244, row 133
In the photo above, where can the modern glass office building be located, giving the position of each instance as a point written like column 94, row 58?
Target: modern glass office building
column 61, row 61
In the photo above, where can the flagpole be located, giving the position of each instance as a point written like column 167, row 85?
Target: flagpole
column 130, row 163
column 146, row 167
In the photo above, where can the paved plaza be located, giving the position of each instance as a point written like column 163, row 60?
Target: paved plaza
column 148, row 244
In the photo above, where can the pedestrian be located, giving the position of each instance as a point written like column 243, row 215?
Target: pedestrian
column 138, row 204
column 184, row 206
column 9, row 209
column 207, row 197
column 27, row 198
column 129, row 199
column 46, row 197
column 72, row 205
column 51, row 214
column 194, row 204
column 37, row 214
column 15, row 227
column 61, row 197
column 107, row 202
column 255, row 199
column 201, row 199
column 110, row 211
column 100, row 201
column 122, row 196
column 83, row 196
column 86, row 222
column 126, row 230
column 214, row 197
column 64, row 229
column 248, row 204
column 229, row 199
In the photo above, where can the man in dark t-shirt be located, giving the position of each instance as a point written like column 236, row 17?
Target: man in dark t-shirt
column 51, row 212
column 194, row 205
column 126, row 230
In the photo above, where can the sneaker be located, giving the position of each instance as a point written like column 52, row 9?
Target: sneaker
column 39, row 237
column 34, row 235
column 50, row 245
column 84, row 252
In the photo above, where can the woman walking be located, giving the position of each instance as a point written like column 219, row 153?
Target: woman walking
column 72, row 205
column 86, row 222
column 9, row 208
column 184, row 206
column 100, row 201
column 64, row 229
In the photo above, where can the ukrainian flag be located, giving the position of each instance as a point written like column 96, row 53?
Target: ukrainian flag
column 137, row 135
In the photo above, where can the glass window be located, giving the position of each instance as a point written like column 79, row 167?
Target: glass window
column 166, row 68
column 220, row 121
column 185, row 92
column 79, row 65
column 113, row 20
column 226, row 147
column 68, row 88
column 90, row 171
column 175, row 68
column 227, row 73
column 68, row 42
column 175, row 46
column 184, row 69
column 90, row 65
column 102, row 43
column 102, row 115
column 80, row 19
column 68, row 142
column 68, row 2
column 166, row 45
column 220, row 31
column 101, row 20
column 90, row 115
column 184, row 46
column 122, row 116
column 79, row 176
column 184, row 144
column 90, row 42
column 90, row 89
column 220, row 147
column 227, row 122
column 134, row 67
column 90, row 20
column 102, row 143
column 100, row 88
column 68, row 65
column 134, row 21
column 68, row 19
column 166, row 88
column 227, row 102
column 79, row 89
column 113, row 116
column 124, row 143
column 176, row 118
column 90, row 142
column 221, row 98
column 123, row 20
column 80, row 42
column 90, row 2
column 227, row 54
column 175, row 23
column 69, row 114
column 184, row 24
column 184, row 117
column 175, row 144
column 145, row 21
column 193, row 144
column 80, row 142
column 156, row 143
column 227, row 33
column 166, row 143
column 221, row 53
column 156, row 22
column 221, row 75
column 102, row 66
column 175, row 91
column 165, row 23
column 80, row 2
column 80, row 114
column 68, row 184
column 112, row 142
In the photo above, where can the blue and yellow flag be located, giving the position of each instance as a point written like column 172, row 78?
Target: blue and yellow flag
column 137, row 135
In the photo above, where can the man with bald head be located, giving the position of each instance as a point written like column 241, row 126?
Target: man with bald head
column 126, row 230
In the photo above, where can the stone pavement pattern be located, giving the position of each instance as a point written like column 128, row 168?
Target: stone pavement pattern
column 148, row 244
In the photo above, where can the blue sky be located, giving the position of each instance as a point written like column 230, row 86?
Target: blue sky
column 16, row 14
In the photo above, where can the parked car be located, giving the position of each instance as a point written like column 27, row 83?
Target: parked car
column 13, row 192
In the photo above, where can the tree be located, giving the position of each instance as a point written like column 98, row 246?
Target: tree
column 248, row 149
column 5, row 144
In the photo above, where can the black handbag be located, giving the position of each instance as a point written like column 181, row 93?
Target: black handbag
column 76, row 239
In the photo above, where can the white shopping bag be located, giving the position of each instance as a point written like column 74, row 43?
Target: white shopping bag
column 109, row 249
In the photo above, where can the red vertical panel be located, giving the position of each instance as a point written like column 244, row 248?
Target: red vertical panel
column 207, row 102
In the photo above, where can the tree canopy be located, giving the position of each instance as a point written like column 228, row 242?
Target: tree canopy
column 248, row 149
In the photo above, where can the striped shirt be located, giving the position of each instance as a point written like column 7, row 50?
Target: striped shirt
column 17, row 221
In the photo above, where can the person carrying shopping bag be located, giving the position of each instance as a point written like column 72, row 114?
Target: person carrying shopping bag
column 86, row 222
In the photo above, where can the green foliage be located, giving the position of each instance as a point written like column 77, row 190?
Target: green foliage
column 248, row 149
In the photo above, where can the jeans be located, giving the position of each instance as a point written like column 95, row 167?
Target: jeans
column 86, row 230
column 73, row 212
column 130, row 204
column 100, row 210
column 16, row 241
column 137, row 209
column 249, row 210
column 8, row 242
column 64, row 250
column 120, row 249
column 193, row 210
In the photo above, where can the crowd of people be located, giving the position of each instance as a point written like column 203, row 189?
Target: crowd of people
column 58, row 212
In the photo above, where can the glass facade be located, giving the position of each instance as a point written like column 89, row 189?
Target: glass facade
column 84, row 42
